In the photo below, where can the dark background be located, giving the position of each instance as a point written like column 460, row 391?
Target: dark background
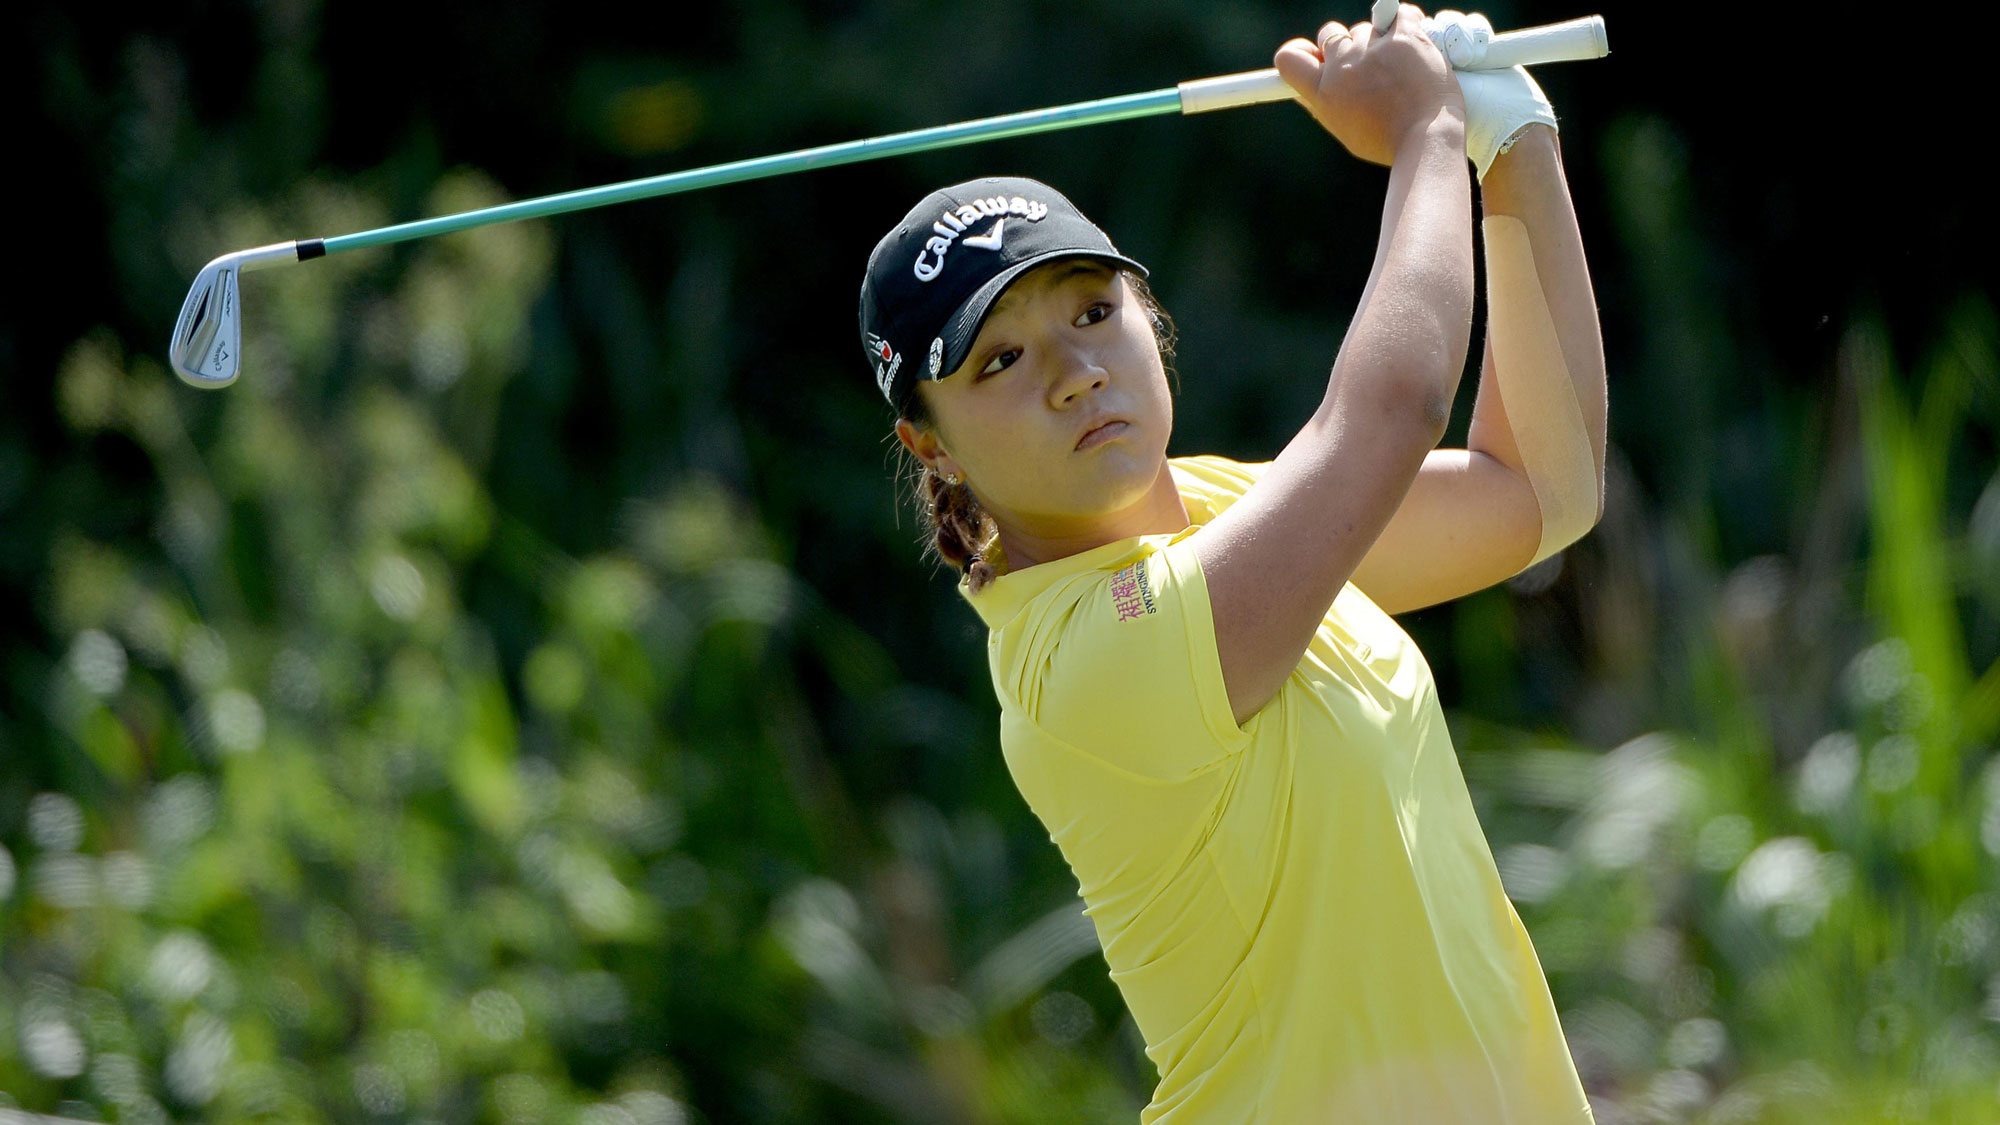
column 673, row 787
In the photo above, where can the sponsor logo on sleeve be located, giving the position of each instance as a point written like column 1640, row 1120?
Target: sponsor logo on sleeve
column 1132, row 593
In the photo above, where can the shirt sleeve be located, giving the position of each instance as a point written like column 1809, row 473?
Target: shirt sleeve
column 1133, row 676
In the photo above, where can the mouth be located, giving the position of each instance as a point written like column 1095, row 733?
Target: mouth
column 1104, row 431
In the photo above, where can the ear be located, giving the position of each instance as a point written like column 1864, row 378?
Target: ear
column 924, row 445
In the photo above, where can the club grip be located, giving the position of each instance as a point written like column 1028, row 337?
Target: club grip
column 1569, row 41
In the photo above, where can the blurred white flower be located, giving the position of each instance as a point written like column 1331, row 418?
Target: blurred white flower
column 127, row 879
column 195, row 1065
column 180, row 967
column 415, row 1055
column 1827, row 774
column 497, row 1015
column 397, row 587
column 178, row 810
column 1970, row 931
column 1674, row 1095
column 66, row 880
column 52, row 1048
column 55, row 822
column 605, row 1114
column 379, row 1089
column 1640, row 790
column 1877, row 673
column 439, row 355
column 1613, row 1031
column 235, row 721
column 650, row 1108
column 97, row 661
column 1696, row 1043
column 1650, row 954
column 119, row 1078
column 1788, row 877
column 295, row 680
column 815, row 923
column 1532, row 872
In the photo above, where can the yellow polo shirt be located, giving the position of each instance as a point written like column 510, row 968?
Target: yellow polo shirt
column 1302, row 913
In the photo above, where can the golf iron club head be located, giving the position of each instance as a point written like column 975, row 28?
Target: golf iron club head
column 207, row 346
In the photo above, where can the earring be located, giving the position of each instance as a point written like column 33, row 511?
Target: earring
column 953, row 479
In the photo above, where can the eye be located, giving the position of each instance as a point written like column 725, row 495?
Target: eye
column 1094, row 314
column 1001, row 361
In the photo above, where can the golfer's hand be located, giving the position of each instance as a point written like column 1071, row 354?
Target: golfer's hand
column 1374, row 95
column 1499, row 104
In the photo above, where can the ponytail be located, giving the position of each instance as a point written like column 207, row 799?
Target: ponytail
column 956, row 530
column 961, row 533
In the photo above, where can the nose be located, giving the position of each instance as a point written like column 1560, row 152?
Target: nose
column 1078, row 374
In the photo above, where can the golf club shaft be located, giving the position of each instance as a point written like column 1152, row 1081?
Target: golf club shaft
column 1575, row 39
column 1102, row 111
column 206, row 346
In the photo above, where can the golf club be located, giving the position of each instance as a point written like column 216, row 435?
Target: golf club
column 207, row 344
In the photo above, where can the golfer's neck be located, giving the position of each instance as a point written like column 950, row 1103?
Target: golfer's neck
column 1029, row 542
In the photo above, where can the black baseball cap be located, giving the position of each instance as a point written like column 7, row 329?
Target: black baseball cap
column 932, row 280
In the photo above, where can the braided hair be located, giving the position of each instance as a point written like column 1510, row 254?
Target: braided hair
column 955, row 529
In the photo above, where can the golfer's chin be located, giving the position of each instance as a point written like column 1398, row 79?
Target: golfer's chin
column 1121, row 472
column 1115, row 486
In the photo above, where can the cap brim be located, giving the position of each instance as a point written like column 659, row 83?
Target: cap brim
column 963, row 327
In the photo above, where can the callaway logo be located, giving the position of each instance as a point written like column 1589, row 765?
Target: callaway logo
column 989, row 241
column 930, row 260
column 886, row 361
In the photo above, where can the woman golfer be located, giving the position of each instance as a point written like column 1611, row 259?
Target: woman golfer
column 1203, row 695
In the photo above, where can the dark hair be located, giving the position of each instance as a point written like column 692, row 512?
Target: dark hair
column 955, row 529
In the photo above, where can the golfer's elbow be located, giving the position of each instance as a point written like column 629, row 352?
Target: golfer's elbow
column 1414, row 366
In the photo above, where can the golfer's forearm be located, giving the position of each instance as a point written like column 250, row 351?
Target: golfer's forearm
column 1545, row 354
column 1410, row 332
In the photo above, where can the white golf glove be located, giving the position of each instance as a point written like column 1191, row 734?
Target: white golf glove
column 1498, row 103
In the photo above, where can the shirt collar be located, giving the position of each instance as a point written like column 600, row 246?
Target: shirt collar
column 1003, row 599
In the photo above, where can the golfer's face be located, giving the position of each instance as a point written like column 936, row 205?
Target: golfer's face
column 1066, row 348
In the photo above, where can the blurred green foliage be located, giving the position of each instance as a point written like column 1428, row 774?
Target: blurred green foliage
column 518, row 699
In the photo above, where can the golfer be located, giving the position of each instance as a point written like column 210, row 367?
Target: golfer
column 1203, row 694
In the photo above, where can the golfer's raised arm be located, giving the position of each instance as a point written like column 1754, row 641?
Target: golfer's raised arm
column 1541, row 406
column 1275, row 560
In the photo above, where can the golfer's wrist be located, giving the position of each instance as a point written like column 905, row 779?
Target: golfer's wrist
column 1442, row 134
column 1530, row 166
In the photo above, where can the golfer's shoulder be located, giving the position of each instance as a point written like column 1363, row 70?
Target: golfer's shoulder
column 1209, row 483
column 1120, row 663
